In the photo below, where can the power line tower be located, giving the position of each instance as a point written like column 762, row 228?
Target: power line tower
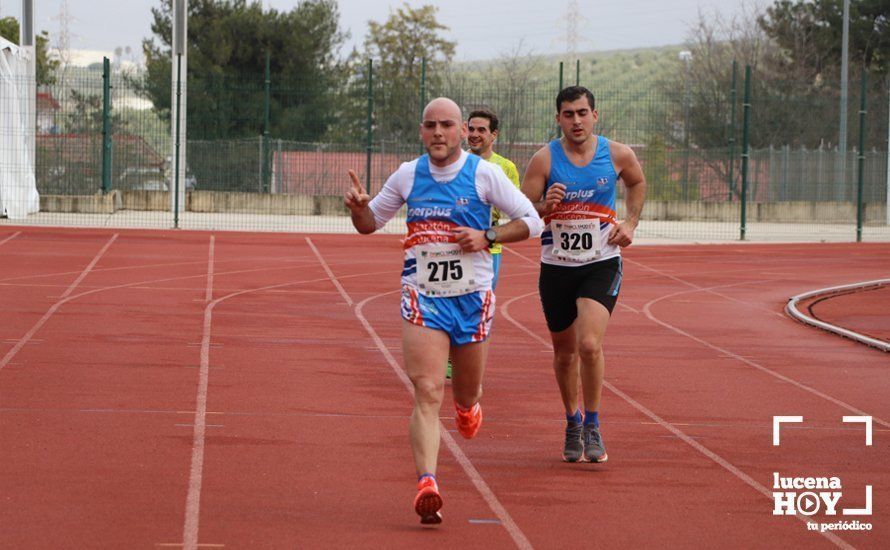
column 574, row 37
column 63, row 40
column 573, row 14
column 574, row 20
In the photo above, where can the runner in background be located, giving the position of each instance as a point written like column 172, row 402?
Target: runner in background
column 573, row 183
column 482, row 131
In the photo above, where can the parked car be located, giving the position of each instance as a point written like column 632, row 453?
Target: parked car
column 142, row 178
column 150, row 179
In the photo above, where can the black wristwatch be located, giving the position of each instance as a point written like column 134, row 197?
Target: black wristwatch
column 491, row 235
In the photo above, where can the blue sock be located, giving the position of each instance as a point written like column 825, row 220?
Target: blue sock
column 592, row 417
column 427, row 475
column 575, row 418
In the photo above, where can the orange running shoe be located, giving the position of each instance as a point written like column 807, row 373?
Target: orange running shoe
column 428, row 501
column 468, row 421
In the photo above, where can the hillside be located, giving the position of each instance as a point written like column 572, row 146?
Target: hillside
column 625, row 83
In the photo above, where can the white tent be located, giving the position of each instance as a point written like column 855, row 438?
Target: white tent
column 18, row 186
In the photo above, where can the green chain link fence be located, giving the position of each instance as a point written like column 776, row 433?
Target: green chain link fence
column 268, row 154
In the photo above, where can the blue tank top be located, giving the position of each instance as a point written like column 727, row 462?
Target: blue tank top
column 590, row 194
column 455, row 201
column 435, row 209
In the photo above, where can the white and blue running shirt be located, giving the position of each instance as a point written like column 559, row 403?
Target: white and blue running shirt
column 441, row 199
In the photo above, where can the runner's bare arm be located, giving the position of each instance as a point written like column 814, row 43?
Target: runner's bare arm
column 356, row 200
column 469, row 239
column 473, row 240
column 496, row 189
column 513, row 231
column 536, row 180
column 631, row 174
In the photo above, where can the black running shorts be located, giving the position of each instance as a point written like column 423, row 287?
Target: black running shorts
column 560, row 286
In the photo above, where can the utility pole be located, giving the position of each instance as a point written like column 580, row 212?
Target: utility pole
column 178, row 102
column 26, row 41
column 841, row 190
column 686, row 57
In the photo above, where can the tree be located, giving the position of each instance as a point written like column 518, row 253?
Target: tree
column 46, row 67
column 793, row 49
column 514, row 72
column 714, row 43
column 349, row 102
column 508, row 85
column 228, row 41
column 398, row 48
column 85, row 115
column 810, row 34
column 795, row 61
column 697, row 119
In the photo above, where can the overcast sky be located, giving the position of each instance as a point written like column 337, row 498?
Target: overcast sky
column 482, row 30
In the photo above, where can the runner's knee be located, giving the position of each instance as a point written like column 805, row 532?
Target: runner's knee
column 590, row 348
column 429, row 390
column 564, row 360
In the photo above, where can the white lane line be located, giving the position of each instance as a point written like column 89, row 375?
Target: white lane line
column 181, row 545
column 297, row 263
column 49, row 313
column 9, row 238
column 330, row 273
column 708, row 289
column 647, row 310
column 183, row 425
column 89, row 268
column 476, row 478
column 193, row 500
column 25, row 339
column 351, row 417
column 725, row 464
column 208, row 296
column 196, row 471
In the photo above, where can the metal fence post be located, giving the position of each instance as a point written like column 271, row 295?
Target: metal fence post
column 369, row 129
column 558, row 130
column 732, row 100
column 783, row 185
column 266, row 158
column 861, row 158
column 422, row 92
column 686, row 56
column 106, row 125
column 746, row 110
column 179, row 53
column 261, row 155
column 887, row 165
column 276, row 175
column 177, row 145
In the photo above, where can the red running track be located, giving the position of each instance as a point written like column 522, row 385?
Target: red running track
column 199, row 390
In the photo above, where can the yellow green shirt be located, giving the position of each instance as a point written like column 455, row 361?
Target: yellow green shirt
column 513, row 175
